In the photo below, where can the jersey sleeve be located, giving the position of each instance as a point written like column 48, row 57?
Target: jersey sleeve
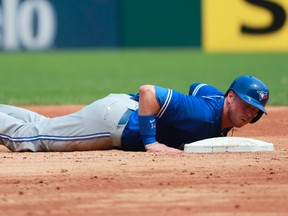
column 193, row 88
column 162, row 95
column 177, row 107
column 202, row 89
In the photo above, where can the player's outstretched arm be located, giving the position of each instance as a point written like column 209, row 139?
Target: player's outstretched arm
column 148, row 109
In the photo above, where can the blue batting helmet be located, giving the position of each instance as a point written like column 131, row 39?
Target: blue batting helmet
column 253, row 91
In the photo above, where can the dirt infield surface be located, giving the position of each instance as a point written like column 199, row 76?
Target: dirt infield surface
column 141, row 183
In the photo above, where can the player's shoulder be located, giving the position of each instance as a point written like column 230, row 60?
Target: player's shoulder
column 203, row 89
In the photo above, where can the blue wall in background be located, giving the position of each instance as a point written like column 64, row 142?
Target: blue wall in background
column 56, row 24
column 88, row 23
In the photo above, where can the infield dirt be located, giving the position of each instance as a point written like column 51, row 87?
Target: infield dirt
column 140, row 183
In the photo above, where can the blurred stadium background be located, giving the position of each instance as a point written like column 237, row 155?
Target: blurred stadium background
column 73, row 52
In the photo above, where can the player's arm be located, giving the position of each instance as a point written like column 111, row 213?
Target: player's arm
column 148, row 109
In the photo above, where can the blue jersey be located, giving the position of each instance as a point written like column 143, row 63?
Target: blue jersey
column 182, row 118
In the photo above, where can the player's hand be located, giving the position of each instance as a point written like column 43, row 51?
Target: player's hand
column 158, row 147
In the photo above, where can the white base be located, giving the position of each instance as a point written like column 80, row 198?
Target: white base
column 228, row 144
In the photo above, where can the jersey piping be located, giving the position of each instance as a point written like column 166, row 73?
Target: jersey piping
column 197, row 89
column 166, row 103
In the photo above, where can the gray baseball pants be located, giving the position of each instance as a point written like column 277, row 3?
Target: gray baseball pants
column 97, row 126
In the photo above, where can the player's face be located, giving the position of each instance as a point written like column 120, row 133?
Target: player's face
column 240, row 112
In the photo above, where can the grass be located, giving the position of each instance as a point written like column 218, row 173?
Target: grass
column 81, row 76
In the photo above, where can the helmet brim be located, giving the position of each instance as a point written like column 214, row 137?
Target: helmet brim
column 253, row 102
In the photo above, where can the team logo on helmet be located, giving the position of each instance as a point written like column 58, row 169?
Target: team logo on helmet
column 262, row 95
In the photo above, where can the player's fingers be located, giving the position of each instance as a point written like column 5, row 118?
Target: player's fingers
column 174, row 150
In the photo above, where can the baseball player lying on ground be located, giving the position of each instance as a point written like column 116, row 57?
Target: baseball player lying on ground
column 157, row 119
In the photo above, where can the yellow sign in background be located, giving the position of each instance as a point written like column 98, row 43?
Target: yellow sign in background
column 245, row 25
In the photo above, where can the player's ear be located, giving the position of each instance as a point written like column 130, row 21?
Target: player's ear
column 229, row 96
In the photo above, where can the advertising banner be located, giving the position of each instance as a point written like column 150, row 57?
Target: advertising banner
column 48, row 24
column 245, row 25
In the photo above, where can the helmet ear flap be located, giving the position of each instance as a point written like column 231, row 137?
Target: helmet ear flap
column 257, row 117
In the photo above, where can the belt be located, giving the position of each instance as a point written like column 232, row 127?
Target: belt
column 125, row 117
